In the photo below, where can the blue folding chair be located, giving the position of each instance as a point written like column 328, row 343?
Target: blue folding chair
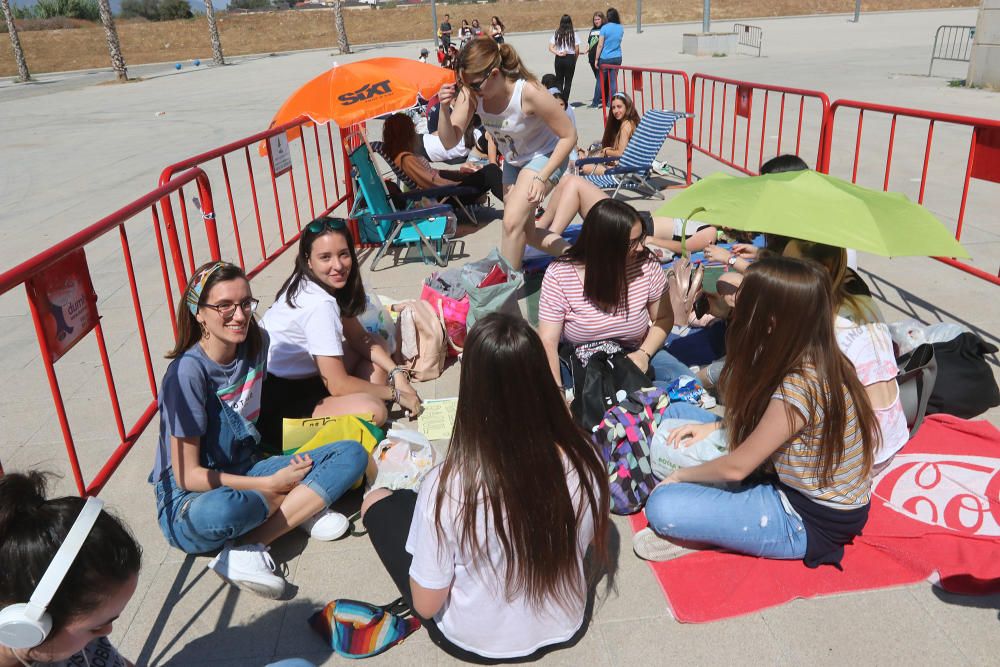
column 380, row 222
column 446, row 194
column 636, row 164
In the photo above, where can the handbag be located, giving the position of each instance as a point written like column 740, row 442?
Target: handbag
column 423, row 339
column 965, row 385
column 355, row 629
column 491, row 296
column 601, row 384
column 684, row 281
column 916, row 383
column 442, row 290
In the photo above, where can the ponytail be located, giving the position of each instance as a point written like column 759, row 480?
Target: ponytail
column 511, row 65
column 31, row 531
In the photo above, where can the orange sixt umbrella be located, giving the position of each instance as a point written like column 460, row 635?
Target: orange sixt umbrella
column 348, row 94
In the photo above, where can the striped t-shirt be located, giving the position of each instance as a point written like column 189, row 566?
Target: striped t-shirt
column 562, row 302
column 798, row 461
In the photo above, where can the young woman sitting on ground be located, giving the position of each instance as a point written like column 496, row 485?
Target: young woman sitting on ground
column 608, row 286
column 322, row 362
column 94, row 592
column 864, row 337
column 792, row 400
column 495, row 579
column 576, row 195
column 213, row 489
column 400, row 140
column 621, row 125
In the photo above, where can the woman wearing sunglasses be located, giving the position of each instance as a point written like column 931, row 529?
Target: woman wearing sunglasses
column 212, row 489
column 529, row 126
column 608, row 286
column 322, row 361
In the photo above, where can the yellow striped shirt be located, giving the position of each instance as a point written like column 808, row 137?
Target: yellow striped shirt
column 798, row 461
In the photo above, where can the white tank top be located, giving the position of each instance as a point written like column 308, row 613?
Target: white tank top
column 519, row 137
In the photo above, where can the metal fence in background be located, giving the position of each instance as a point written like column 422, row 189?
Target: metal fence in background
column 952, row 42
column 750, row 36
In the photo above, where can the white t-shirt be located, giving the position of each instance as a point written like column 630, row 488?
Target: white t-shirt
column 312, row 328
column 869, row 347
column 565, row 50
column 98, row 653
column 477, row 616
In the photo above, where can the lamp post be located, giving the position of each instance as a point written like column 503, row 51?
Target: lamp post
column 434, row 21
column 857, row 10
column 706, row 16
column 638, row 16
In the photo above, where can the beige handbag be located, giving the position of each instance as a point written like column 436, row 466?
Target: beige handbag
column 423, row 339
column 684, row 282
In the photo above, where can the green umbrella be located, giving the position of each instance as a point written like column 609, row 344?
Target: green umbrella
column 816, row 207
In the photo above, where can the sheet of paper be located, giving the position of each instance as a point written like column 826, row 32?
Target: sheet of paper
column 438, row 418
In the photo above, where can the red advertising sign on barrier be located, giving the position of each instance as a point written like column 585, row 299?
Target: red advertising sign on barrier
column 744, row 100
column 64, row 296
column 986, row 165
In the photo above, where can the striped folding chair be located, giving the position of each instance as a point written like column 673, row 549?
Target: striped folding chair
column 636, row 163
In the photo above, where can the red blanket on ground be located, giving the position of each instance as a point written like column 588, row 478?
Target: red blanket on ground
column 935, row 515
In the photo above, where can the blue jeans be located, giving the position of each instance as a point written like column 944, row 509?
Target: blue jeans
column 197, row 522
column 749, row 519
column 667, row 368
column 689, row 412
column 610, row 83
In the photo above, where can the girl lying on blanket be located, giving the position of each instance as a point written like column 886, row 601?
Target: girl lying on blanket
column 494, row 578
column 322, row 361
column 793, row 401
column 213, row 489
column 575, row 196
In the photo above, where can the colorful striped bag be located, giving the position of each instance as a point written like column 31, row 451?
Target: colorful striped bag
column 355, row 629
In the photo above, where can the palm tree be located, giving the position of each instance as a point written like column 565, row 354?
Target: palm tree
column 213, row 32
column 114, row 46
column 338, row 14
column 22, row 65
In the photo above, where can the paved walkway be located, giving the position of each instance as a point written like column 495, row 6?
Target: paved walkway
column 73, row 151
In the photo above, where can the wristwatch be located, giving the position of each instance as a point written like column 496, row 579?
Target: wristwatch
column 732, row 260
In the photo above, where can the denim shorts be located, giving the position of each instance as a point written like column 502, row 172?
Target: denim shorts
column 536, row 164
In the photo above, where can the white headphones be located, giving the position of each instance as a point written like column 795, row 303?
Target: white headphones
column 26, row 625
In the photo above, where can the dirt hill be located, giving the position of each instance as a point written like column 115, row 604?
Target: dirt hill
column 144, row 42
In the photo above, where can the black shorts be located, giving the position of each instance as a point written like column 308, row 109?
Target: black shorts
column 282, row 398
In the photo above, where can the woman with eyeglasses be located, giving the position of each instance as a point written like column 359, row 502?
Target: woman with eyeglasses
column 529, row 126
column 608, row 286
column 322, row 361
column 213, row 489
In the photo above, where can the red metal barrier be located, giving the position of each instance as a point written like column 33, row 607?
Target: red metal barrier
column 325, row 176
column 977, row 140
column 63, row 304
column 719, row 103
column 652, row 88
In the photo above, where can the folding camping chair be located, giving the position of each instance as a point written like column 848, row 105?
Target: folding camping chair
column 636, row 163
column 446, row 194
column 380, row 222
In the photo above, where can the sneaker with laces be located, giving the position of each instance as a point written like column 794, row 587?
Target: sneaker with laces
column 326, row 525
column 249, row 567
column 647, row 545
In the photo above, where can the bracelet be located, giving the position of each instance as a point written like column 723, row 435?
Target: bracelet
column 648, row 355
column 394, row 372
column 395, row 396
column 539, row 179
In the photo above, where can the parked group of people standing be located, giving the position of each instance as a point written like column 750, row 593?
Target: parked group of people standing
column 603, row 46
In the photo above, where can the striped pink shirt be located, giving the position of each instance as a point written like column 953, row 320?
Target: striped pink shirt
column 562, row 302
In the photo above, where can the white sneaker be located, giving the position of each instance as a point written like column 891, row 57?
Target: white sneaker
column 249, row 567
column 326, row 525
column 647, row 545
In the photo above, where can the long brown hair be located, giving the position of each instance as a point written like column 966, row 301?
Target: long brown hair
column 834, row 260
column 604, row 250
column 614, row 125
column 482, row 54
column 189, row 330
column 507, row 456
column 782, row 324
column 351, row 297
column 398, row 135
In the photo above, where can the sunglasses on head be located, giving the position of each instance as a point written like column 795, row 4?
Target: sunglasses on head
column 321, row 224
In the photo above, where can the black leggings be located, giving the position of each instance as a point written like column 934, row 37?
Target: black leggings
column 388, row 525
column 565, row 67
column 487, row 179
